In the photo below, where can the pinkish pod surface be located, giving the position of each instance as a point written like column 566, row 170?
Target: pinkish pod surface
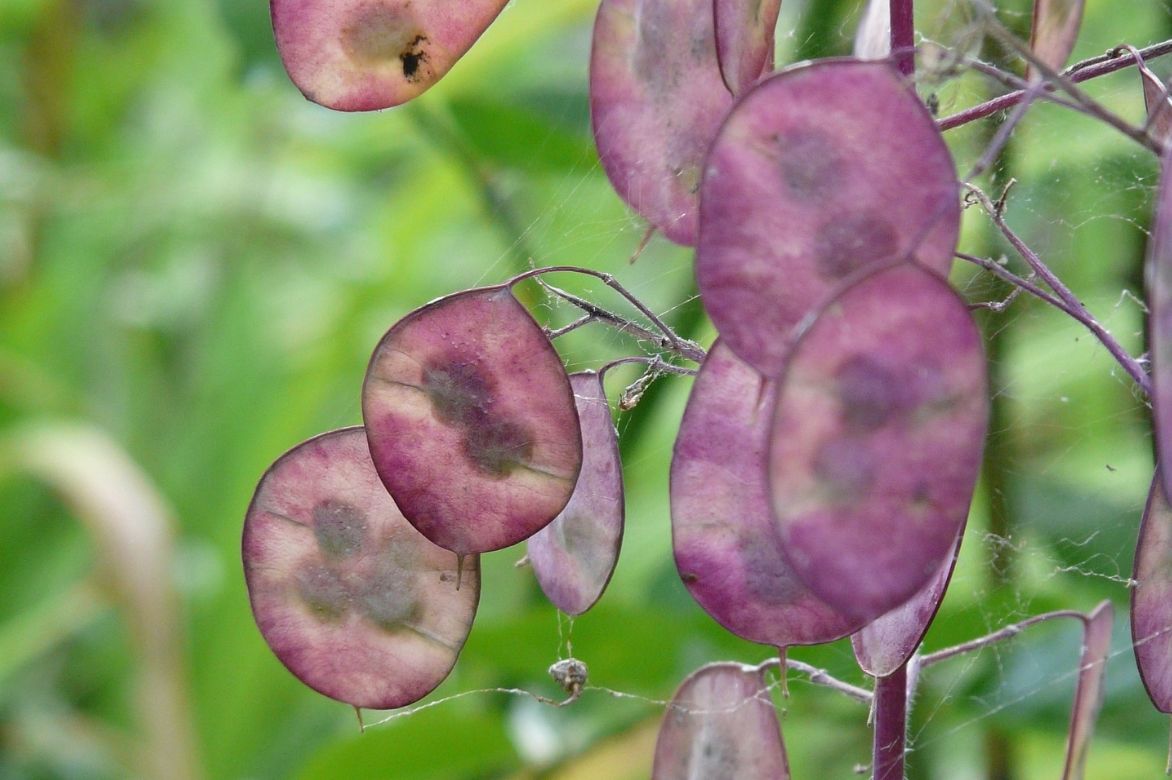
column 1054, row 31
column 744, row 40
column 362, row 55
column 1151, row 599
column 1088, row 694
column 721, row 724
column 876, row 440
column 471, row 421
column 348, row 595
column 1158, row 268
column 820, row 171
column 726, row 549
column 886, row 643
column 655, row 105
column 574, row 556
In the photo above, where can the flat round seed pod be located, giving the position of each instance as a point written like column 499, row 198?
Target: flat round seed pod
column 820, row 171
column 721, row 724
column 889, row 641
column 1151, row 599
column 348, row 595
column 362, row 55
column 1158, row 268
column 471, row 421
column 656, row 99
column 744, row 40
column 876, row 439
column 726, row 549
column 574, row 556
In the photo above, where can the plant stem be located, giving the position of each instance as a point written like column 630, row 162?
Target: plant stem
column 1115, row 60
column 820, row 677
column 890, row 709
column 1008, row 632
column 903, row 35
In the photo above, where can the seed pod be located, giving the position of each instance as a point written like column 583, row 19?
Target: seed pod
column 744, row 40
column 1054, row 31
column 1088, row 695
column 348, row 595
column 1151, row 599
column 574, row 556
column 471, row 421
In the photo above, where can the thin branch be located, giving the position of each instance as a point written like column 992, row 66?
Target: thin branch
column 1086, row 70
column 585, row 319
column 1066, row 300
column 668, row 340
column 1008, row 632
column 820, row 677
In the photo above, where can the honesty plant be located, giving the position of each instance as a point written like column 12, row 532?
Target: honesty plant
column 827, row 457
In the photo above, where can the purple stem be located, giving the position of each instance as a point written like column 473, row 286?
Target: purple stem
column 890, row 725
column 1079, row 72
column 903, row 36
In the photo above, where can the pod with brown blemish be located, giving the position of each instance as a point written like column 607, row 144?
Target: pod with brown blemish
column 352, row 599
column 574, row 556
column 363, row 55
column 820, row 171
column 471, row 421
column 726, row 549
column 656, row 100
column 721, row 723
column 876, row 439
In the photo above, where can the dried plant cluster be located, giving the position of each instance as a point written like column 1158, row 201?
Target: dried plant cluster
column 827, row 457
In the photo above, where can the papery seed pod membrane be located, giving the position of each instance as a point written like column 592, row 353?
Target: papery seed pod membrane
column 819, row 172
column 574, row 556
column 1088, row 695
column 655, row 104
column 471, row 421
column 352, row 599
column 873, row 36
column 1054, row 32
column 726, row 550
column 889, row 641
column 876, row 440
column 1151, row 599
column 1158, row 269
column 721, row 724
column 362, row 55
column 1158, row 105
column 744, row 40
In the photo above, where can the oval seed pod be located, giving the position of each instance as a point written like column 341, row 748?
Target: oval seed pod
column 471, row 421
column 726, row 549
column 347, row 594
column 1054, row 31
column 1088, row 694
column 1158, row 269
column 362, row 55
column 721, row 724
column 1157, row 102
column 1151, row 599
column 655, row 105
column 574, row 556
column 889, row 641
column 744, row 40
column 820, row 171
column 876, row 439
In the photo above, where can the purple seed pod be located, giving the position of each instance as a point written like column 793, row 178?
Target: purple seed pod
column 471, row 421
column 1157, row 103
column 574, row 556
column 721, row 724
column 1158, row 269
column 1151, row 599
column 889, row 641
column 820, row 171
column 656, row 104
column 876, row 440
column 363, row 55
column 744, row 40
column 726, row 549
column 1054, row 31
column 1088, row 695
column 348, row 595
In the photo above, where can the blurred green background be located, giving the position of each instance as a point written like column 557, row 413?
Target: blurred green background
column 195, row 264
